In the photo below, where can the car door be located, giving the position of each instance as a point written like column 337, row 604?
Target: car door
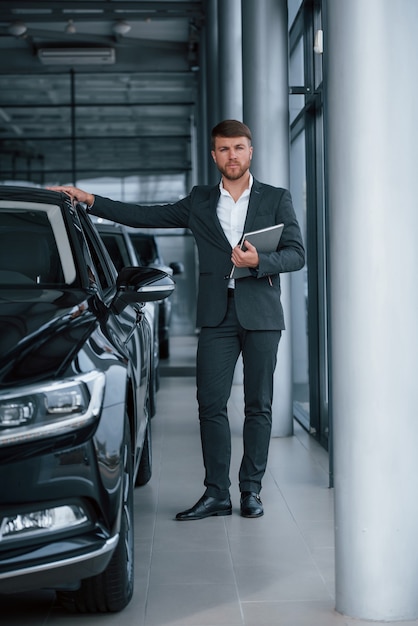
column 122, row 254
column 129, row 330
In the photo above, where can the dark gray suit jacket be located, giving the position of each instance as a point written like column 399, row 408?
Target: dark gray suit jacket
column 257, row 301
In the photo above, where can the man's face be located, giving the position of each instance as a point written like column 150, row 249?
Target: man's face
column 232, row 156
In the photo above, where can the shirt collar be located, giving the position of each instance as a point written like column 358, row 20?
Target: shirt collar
column 224, row 192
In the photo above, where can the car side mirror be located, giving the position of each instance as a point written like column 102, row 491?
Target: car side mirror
column 141, row 284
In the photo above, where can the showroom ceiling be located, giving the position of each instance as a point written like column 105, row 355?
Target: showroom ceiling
column 97, row 87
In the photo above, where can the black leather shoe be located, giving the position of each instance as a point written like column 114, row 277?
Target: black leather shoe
column 206, row 507
column 251, row 505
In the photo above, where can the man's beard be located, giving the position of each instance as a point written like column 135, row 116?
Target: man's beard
column 236, row 173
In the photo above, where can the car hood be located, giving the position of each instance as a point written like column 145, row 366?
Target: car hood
column 40, row 330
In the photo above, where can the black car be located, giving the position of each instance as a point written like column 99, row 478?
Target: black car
column 75, row 364
column 139, row 248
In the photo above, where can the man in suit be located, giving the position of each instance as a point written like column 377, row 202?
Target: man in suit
column 244, row 316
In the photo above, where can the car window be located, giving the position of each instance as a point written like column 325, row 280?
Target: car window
column 33, row 244
column 116, row 247
column 100, row 271
column 145, row 248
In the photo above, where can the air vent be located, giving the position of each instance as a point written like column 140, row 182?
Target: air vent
column 76, row 56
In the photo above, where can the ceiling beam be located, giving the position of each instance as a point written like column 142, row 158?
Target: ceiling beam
column 134, row 10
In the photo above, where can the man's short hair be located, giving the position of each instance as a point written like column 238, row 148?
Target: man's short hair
column 230, row 128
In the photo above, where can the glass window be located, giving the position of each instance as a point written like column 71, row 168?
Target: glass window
column 33, row 246
column 116, row 247
column 299, row 281
column 293, row 7
column 99, row 273
column 296, row 80
column 309, row 287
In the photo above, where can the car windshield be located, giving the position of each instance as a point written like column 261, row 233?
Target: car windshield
column 34, row 246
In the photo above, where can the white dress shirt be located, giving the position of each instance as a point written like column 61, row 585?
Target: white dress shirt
column 232, row 215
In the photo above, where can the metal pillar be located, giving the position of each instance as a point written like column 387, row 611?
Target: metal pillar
column 372, row 142
column 266, row 103
column 230, row 59
column 202, row 140
column 212, row 77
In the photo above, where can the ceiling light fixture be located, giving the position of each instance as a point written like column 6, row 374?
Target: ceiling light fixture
column 17, row 29
column 70, row 29
column 121, row 28
column 76, row 56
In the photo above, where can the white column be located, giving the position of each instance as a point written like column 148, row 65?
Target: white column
column 372, row 141
column 266, row 102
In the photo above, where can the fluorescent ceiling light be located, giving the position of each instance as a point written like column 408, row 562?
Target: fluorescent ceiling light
column 76, row 56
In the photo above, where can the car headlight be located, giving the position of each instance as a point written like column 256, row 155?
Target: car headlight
column 35, row 523
column 40, row 411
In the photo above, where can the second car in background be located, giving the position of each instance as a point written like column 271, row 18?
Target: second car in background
column 128, row 246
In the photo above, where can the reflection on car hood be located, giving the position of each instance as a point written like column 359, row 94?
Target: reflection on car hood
column 40, row 330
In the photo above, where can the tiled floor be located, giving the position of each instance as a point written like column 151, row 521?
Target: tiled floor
column 223, row 571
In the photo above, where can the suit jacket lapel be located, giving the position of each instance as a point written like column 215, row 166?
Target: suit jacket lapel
column 253, row 204
column 213, row 203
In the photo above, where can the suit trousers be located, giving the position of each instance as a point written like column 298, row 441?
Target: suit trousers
column 217, row 355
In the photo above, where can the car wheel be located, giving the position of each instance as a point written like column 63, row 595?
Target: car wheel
column 145, row 464
column 111, row 590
